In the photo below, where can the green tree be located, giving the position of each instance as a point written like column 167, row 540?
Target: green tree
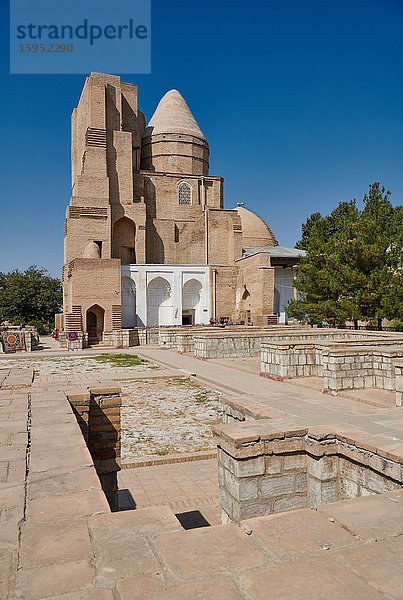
column 308, row 228
column 352, row 269
column 31, row 297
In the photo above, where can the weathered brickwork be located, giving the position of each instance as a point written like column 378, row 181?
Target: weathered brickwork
column 144, row 195
column 98, row 414
column 360, row 368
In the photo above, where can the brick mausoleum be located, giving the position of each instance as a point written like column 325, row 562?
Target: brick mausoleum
column 147, row 240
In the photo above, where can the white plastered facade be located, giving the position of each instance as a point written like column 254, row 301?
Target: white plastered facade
column 165, row 295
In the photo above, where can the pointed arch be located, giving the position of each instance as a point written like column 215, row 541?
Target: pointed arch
column 191, row 293
column 159, row 302
column 129, row 317
column 124, row 234
column 95, row 323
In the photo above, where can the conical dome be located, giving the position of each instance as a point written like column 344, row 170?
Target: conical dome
column 173, row 115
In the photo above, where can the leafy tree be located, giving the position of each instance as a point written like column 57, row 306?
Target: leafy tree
column 31, row 297
column 352, row 269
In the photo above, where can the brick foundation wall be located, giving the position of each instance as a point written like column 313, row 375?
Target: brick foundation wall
column 78, row 344
column 98, row 414
column 272, row 472
column 355, row 368
column 227, row 345
column 121, row 338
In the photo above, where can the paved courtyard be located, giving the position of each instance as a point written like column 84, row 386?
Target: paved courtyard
column 185, row 487
column 172, row 545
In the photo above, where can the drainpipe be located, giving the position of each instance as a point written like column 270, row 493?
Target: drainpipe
column 214, row 292
column 203, row 198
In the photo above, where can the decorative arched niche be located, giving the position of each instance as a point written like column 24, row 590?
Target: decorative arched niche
column 159, row 302
column 123, row 240
column 129, row 318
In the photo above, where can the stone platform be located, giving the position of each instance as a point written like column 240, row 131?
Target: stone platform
column 60, row 540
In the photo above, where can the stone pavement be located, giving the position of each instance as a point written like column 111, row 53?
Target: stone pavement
column 251, row 364
column 59, row 540
column 305, row 404
column 185, row 487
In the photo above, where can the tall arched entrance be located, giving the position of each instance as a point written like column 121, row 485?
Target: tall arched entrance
column 129, row 319
column 159, row 303
column 95, row 324
column 191, row 295
column 123, row 236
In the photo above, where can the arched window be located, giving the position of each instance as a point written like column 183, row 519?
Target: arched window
column 185, row 193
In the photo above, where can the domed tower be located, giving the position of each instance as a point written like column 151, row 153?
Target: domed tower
column 173, row 141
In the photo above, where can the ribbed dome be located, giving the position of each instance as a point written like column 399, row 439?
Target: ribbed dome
column 255, row 232
column 173, row 115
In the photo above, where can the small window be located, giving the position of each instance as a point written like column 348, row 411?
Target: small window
column 185, row 193
column 99, row 244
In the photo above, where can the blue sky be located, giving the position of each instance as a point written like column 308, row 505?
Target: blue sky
column 300, row 101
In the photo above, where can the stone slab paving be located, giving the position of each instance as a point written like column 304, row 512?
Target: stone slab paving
column 251, row 364
column 59, row 540
column 308, row 406
column 184, row 487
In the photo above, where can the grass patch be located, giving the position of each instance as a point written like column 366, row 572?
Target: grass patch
column 121, row 360
column 202, row 397
column 162, row 452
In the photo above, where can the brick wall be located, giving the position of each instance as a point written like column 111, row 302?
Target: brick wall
column 98, row 414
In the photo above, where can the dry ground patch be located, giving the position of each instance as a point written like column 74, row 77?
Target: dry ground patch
column 67, row 365
column 170, row 415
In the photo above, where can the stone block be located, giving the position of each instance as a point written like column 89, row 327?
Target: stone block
column 54, row 542
column 378, row 483
column 385, row 467
column 57, row 578
column 274, row 464
column 254, row 508
column 293, row 502
column 249, row 467
column 301, row 482
column 314, row 492
column 329, row 492
column 323, row 468
column 351, row 471
column 372, row 517
column 277, row 485
column 294, row 462
column 208, row 551
column 347, row 383
column 348, row 489
column 296, row 444
column 241, row 488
